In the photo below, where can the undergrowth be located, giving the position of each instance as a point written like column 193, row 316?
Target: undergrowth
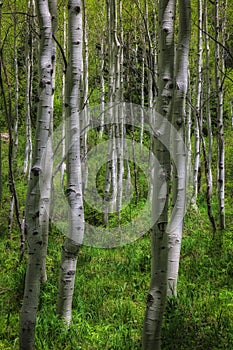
column 111, row 290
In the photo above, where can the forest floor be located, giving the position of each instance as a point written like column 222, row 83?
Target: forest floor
column 112, row 284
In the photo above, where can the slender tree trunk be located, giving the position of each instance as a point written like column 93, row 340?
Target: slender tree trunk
column 114, row 92
column 48, row 156
column 208, row 153
column 158, row 287
column 16, row 99
column 198, row 116
column 188, row 142
column 38, row 196
column 63, row 166
column 74, row 194
column 102, row 85
column 28, row 97
column 219, row 78
column 85, row 97
column 175, row 228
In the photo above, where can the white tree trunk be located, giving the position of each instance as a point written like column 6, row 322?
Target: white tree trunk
column 48, row 155
column 208, row 154
column 74, row 193
column 198, row 114
column 114, row 172
column 37, row 204
column 102, row 85
column 219, row 76
column 175, row 227
column 62, row 168
column 158, row 287
column 85, row 91
column 28, row 97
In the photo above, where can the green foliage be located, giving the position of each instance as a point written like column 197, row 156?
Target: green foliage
column 111, row 287
column 201, row 317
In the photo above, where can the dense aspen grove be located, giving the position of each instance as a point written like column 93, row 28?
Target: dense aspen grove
column 116, row 185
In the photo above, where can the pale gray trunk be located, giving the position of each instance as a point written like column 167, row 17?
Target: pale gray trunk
column 102, row 86
column 208, row 95
column 37, row 204
column 188, row 142
column 158, row 287
column 120, row 158
column 114, row 95
column 219, row 76
column 74, row 193
column 11, row 214
column 63, row 166
column 48, row 155
column 108, row 175
column 150, row 58
column 120, row 126
column 29, row 74
column 198, row 114
column 208, row 154
column 175, row 227
column 142, row 99
column 53, row 11
column 15, row 118
column 85, row 91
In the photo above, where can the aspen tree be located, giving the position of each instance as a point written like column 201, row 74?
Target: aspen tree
column 158, row 286
column 109, row 170
column 74, row 194
column 198, row 107
column 48, row 156
column 120, row 127
column 219, row 81
column 63, row 166
column 208, row 153
column 38, row 198
column 29, row 59
column 114, row 94
column 102, row 84
column 85, row 97
column 175, row 227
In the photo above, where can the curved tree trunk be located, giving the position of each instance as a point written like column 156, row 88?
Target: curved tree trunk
column 37, row 204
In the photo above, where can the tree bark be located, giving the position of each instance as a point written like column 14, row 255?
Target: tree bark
column 175, row 227
column 37, row 203
column 219, row 79
column 198, row 114
column 74, row 193
column 158, row 287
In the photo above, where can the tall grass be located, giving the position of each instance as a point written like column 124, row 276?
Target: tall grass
column 111, row 288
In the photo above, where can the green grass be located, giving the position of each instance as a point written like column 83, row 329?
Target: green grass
column 111, row 290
